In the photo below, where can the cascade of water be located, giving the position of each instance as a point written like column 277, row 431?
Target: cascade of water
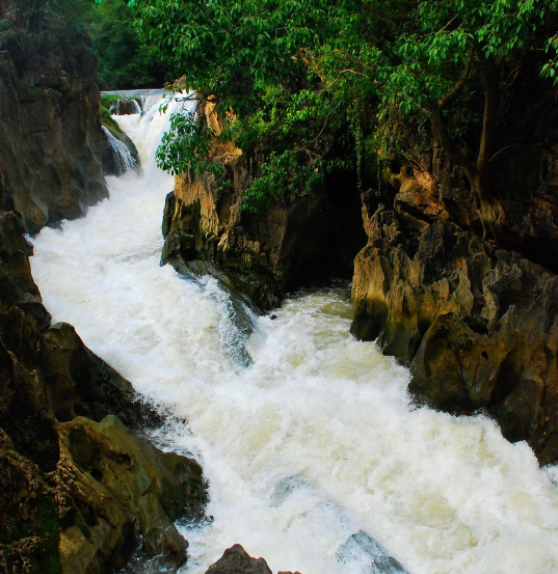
column 121, row 107
column 317, row 460
column 148, row 98
column 123, row 159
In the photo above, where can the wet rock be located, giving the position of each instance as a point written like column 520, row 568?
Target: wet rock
column 76, row 492
column 361, row 549
column 50, row 116
column 236, row 560
column 264, row 255
column 128, row 487
column 125, row 107
column 477, row 325
column 120, row 153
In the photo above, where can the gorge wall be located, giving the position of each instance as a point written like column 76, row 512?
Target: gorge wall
column 474, row 316
column 51, row 141
column 81, row 491
column 264, row 255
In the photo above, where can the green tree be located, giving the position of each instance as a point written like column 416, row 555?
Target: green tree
column 300, row 75
column 124, row 61
column 45, row 28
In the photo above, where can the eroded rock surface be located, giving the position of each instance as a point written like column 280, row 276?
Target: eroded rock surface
column 477, row 325
column 76, row 492
column 263, row 255
column 51, row 140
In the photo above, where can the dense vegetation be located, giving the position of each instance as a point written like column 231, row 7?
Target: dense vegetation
column 73, row 29
column 314, row 85
column 310, row 84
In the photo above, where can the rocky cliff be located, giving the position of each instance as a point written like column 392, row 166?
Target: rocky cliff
column 471, row 310
column 51, row 141
column 264, row 255
column 79, row 490
column 478, row 325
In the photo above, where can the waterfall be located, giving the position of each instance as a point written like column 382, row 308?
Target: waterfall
column 123, row 159
column 316, row 457
column 148, row 98
column 124, row 106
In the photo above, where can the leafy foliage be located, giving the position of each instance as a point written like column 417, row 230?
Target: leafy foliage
column 124, row 61
column 48, row 28
column 302, row 75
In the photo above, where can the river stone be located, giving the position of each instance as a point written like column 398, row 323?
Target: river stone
column 236, row 560
column 126, row 483
column 361, row 548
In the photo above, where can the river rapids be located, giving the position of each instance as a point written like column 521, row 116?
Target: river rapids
column 314, row 452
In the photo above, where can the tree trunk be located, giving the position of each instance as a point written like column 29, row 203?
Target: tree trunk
column 491, row 209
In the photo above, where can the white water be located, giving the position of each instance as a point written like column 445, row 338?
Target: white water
column 316, row 440
column 124, row 160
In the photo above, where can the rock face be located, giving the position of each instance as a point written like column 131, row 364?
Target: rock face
column 478, row 325
column 76, row 492
column 262, row 255
column 51, row 140
column 125, row 107
column 79, row 492
column 236, row 560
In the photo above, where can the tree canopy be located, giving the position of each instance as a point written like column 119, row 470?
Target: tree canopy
column 75, row 28
column 300, row 75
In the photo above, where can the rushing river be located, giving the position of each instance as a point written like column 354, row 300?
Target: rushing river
column 316, row 440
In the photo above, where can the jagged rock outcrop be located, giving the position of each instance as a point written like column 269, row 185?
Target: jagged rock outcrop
column 76, row 492
column 236, row 560
column 478, row 325
column 264, row 255
column 51, row 142
column 79, row 491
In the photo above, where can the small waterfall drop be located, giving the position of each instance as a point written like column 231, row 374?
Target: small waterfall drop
column 125, row 107
column 123, row 159
column 317, row 459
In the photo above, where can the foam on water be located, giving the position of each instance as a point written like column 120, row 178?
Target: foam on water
column 313, row 452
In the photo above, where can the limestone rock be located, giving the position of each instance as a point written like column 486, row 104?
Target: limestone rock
column 124, row 483
column 236, row 560
column 50, row 116
column 76, row 493
column 477, row 325
column 264, row 255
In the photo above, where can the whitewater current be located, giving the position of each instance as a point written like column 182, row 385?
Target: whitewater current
column 317, row 439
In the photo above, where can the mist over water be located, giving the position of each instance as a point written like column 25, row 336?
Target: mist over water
column 314, row 450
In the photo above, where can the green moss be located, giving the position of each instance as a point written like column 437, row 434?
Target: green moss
column 107, row 120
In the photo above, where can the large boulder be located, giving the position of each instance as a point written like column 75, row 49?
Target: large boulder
column 76, row 492
column 477, row 325
column 123, row 486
